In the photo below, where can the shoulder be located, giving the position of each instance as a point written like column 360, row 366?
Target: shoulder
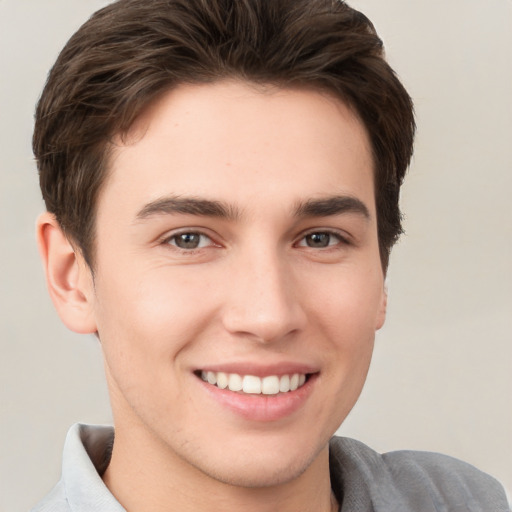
column 413, row 480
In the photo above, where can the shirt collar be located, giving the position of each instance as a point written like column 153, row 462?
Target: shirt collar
column 86, row 455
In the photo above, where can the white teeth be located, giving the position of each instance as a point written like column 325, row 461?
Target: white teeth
column 252, row 384
column 235, row 382
column 284, row 384
column 294, row 382
column 222, row 380
column 270, row 385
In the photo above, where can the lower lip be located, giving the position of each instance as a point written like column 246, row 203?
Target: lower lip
column 261, row 407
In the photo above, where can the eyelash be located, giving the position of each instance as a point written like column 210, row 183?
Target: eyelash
column 341, row 240
column 168, row 241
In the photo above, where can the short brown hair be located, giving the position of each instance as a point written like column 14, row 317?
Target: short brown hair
column 131, row 51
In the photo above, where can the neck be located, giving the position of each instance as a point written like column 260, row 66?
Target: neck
column 148, row 476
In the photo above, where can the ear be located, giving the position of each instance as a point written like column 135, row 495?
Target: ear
column 68, row 277
column 381, row 313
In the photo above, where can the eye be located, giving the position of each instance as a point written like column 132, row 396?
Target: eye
column 189, row 240
column 321, row 240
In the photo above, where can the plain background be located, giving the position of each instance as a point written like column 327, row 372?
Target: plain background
column 441, row 378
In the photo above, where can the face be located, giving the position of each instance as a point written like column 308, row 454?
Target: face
column 237, row 248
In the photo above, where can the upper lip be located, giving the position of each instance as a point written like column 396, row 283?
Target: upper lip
column 259, row 370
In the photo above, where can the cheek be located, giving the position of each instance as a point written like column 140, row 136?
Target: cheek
column 145, row 329
column 347, row 313
column 350, row 301
column 147, row 320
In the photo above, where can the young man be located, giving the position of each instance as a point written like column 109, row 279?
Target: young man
column 222, row 181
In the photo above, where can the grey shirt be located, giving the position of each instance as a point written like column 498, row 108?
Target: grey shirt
column 362, row 479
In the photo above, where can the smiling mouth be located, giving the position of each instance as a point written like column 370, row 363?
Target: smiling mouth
column 253, row 385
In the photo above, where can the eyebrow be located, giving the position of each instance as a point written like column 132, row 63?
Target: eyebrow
column 334, row 205
column 322, row 207
column 188, row 206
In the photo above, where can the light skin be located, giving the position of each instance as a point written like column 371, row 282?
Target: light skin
column 236, row 232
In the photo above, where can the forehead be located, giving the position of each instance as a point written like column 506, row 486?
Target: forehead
column 240, row 142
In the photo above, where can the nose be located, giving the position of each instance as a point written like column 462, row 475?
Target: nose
column 263, row 303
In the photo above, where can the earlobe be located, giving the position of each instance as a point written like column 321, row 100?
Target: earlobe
column 381, row 314
column 68, row 277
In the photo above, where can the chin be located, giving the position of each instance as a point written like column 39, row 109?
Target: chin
column 256, row 474
column 257, row 468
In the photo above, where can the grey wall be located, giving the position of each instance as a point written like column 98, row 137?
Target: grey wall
column 442, row 373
